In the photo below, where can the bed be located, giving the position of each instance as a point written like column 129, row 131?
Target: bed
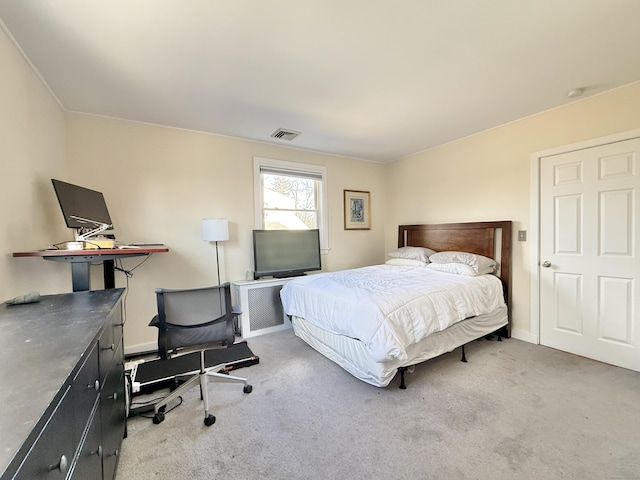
column 379, row 320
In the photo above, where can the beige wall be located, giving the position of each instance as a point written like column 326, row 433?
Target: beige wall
column 32, row 140
column 487, row 176
column 160, row 182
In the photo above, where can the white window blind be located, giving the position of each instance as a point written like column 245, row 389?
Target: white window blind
column 290, row 173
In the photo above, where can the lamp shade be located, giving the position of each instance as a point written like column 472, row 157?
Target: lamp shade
column 215, row 229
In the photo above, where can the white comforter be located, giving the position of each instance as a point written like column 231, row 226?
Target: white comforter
column 390, row 307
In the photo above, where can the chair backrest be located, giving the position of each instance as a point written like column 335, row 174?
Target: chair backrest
column 194, row 318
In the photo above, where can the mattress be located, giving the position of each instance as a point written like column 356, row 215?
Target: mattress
column 353, row 356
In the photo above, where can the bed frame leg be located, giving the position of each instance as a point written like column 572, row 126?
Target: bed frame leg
column 464, row 357
column 402, row 370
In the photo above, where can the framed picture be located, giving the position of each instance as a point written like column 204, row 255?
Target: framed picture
column 357, row 210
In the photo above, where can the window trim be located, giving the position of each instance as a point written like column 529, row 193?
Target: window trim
column 318, row 172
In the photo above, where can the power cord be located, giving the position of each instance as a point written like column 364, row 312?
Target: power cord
column 128, row 273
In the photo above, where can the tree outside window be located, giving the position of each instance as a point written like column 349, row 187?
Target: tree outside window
column 289, row 202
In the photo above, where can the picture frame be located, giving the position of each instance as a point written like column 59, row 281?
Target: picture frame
column 357, row 210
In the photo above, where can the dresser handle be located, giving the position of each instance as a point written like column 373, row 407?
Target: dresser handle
column 114, row 454
column 98, row 451
column 110, row 347
column 95, row 385
column 62, row 465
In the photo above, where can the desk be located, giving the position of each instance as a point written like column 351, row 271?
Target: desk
column 81, row 260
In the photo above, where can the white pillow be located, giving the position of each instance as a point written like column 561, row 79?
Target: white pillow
column 414, row 253
column 459, row 269
column 408, row 262
column 477, row 262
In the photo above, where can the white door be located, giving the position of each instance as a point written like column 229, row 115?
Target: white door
column 589, row 248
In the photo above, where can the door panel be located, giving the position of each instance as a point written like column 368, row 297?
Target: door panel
column 615, row 316
column 568, row 294
column 616, row 222
column 568, row 231
column 589, row 247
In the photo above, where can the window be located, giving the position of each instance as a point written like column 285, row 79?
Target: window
column 290, row 196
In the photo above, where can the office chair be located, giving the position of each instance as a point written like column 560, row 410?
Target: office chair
column 195, row 320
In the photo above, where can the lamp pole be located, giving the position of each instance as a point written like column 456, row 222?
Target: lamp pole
column 218, row 262
column 215, row 230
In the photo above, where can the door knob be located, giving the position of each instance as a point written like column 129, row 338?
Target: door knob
column 546, row 264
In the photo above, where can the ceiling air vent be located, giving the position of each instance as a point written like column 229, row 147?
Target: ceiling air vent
column 283, row 134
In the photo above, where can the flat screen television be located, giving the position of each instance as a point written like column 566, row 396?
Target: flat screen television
column 81, row 207
column 285, row 253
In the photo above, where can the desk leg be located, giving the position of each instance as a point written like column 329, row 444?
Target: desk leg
column 80, row 276
column 108, row 271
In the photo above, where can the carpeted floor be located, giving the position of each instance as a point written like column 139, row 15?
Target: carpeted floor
column 515, row 411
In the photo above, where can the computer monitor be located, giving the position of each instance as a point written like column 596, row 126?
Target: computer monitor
column 82, row 208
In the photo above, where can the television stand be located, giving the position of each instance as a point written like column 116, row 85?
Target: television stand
column 261, row 306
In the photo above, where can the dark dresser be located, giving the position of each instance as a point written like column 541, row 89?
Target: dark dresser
column 62, row 395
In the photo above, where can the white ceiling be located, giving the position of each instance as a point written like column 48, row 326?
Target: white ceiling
column 371, row 79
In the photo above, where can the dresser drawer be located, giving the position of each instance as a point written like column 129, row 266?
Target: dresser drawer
column 86, row 388
column 117, row 325
column 107, row 348
column 113, row 414
column 51, row 455
column 89, row 462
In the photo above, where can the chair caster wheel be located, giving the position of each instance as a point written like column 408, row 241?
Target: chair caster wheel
column 209, row 420
column 247, row 389
column 158, row 418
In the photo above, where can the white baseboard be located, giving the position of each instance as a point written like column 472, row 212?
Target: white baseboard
column 524, row 336
column 140, row 348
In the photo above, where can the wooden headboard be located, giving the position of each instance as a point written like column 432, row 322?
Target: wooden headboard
column 476, row 237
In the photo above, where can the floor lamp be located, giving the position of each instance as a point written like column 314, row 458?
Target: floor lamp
column 215, row 230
